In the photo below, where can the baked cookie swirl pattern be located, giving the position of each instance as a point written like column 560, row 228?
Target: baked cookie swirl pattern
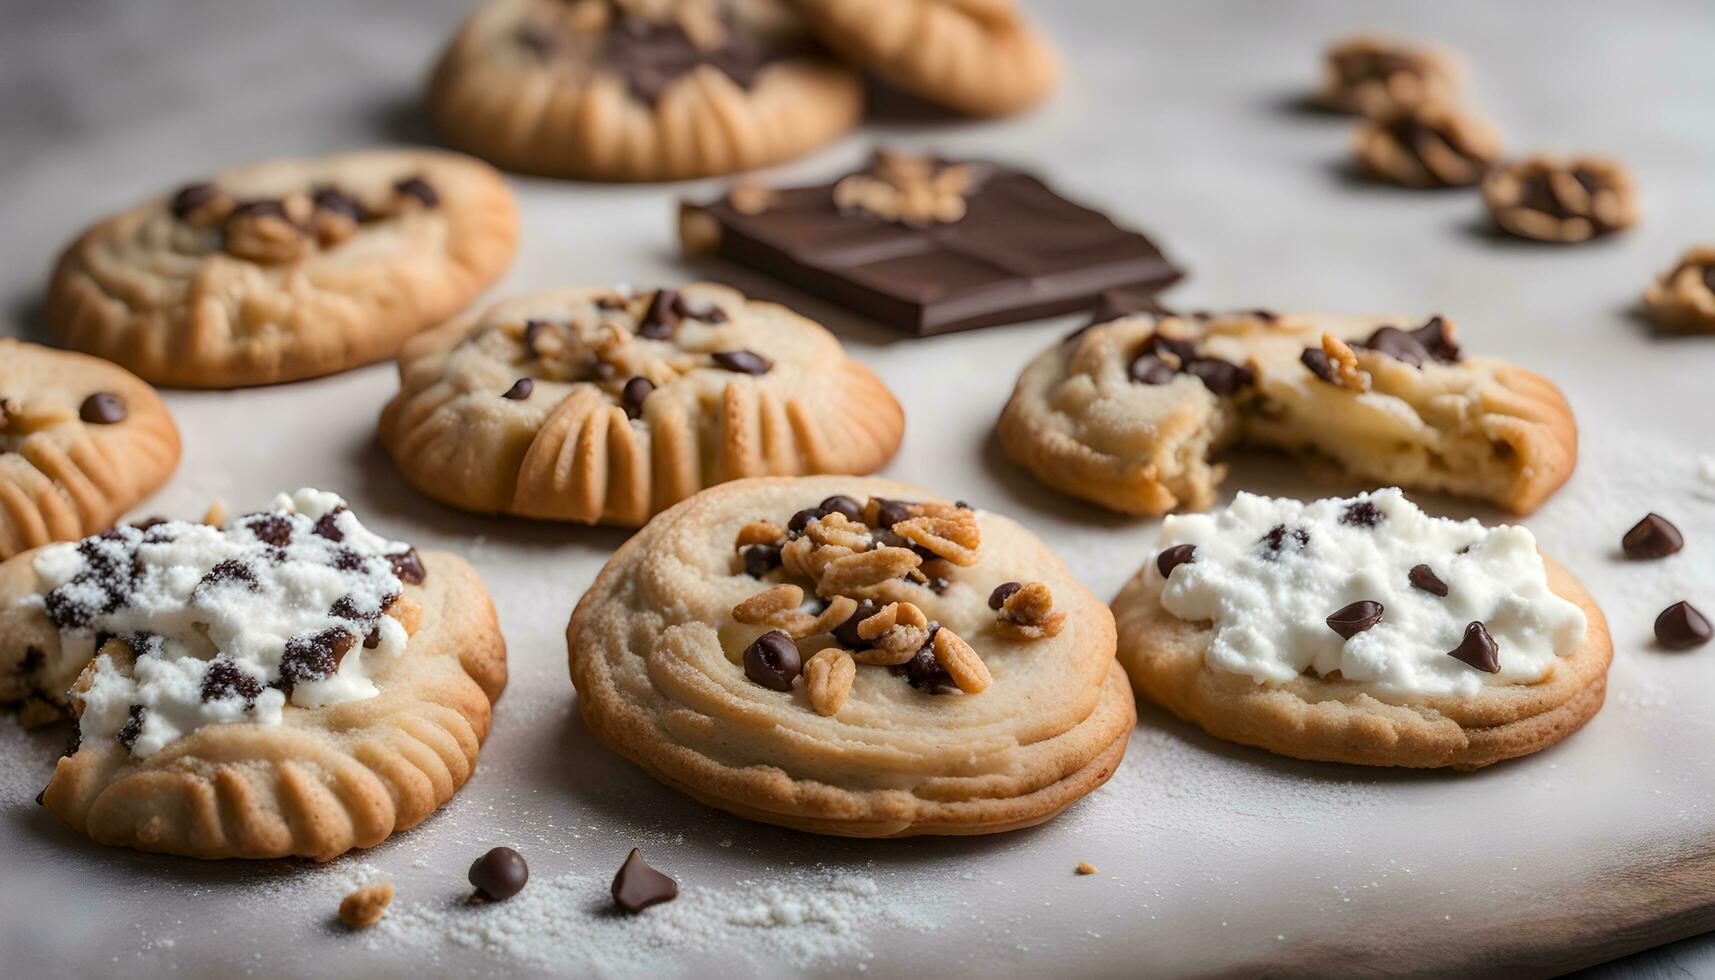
column 604, row 405
column 289, row 684
column 1128, row 413
column 81, row 441
column 852, row 656
column 1363, row 630
column 285, row 270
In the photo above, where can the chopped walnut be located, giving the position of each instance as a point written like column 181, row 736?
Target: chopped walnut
column 828, row 678
column 861, row 575
column 839, row 531
column 261, row 232
column 1029, row 614
column 897, row 631
column 1429, row 145
column 1684, row 298
column 1552, row 200
column 759, row 532
column 961, row 662
column 909, row 190
column 1373, row 75
column 1336, row 364
column 780, row 608
column 365, row 906
column 948, row 531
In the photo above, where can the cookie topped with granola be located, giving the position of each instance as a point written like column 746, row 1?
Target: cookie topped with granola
column 852, row 656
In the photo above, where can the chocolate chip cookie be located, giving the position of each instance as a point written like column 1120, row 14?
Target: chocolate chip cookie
column 1683, row 299
column 640, row 89
column 81, row 442
column 1129, row 413
column 852, row 656
column 603, row 405
column 285, row 270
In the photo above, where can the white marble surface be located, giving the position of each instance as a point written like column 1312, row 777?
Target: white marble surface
column 1177, row 118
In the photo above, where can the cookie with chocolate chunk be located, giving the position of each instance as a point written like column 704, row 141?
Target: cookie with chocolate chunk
column 639, row 89
column 981, row 57
column 1683, row 299
column 600, row 405
column 285, row 270
column 1131, row 414
column 854, row 657
column 81, row 442
column 1374, row 75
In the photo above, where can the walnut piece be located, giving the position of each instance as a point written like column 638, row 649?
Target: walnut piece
column 365, row 907
column 961, row 662
column 948, row 531
column 828, row 680
column 1029, row 614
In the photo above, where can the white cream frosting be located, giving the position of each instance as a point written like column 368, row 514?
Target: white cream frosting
column 251, row 596
column 1269, row 608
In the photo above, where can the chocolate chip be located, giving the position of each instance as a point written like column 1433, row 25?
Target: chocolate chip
column 314, row 656
column 692, row 309
column 327, row 526
column 635, row 393
column 638, row 886
column 773, row 661
column 760, row 559
column 132, row 728
column 939, row 584
column 843, row 505
column 347, row 560
column 1653, row 537
column 1424, row 577
column 1397, row 344
column 802, row 519
column 742, row 361
column 499, row 874
column 1680, row 627
column 520, row 390
column 1351, row 620
column 1437, row 341
column 1184, row 350
column 924, row 671
column 1478, row 649
column 191, row 197
column 1002, row 592
column 661, row 316
column 1150, row 370
column 1276, row 539
column 272, row 529
column 1361, row 513
column 418, row 188
column 1317, row 360
column 407, row 566
column 847, row 632
column 230, row 570
column 224, row 679
column 891, row 512
column 1171, row 558
column 1220, row 377
column 102, row 408
column 335, row 201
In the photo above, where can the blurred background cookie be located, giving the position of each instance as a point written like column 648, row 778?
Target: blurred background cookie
column 1683, row 299
column 1564, row 200
column 1370, row 75
column 1427, row 145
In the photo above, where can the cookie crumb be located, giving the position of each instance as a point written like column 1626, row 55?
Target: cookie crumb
column 1085, row 868
column 365, row 907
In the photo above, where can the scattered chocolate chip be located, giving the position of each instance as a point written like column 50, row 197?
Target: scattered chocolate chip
column 924, row 671
column 636, row 392
column 102, row 408
column 1220, row 377
column 1478, row 649
column 327, row 526
column 418, row 188
column 1171, row 558
column 1437, row 341
column 314, row 656
column 191, row 197
column 1397, row 344
column 760, row 559
column 1002, row 592
column 742, row 361
column 1317, row 360
column 1424, row 577
column 638, row 886
column 224, row 679
column 773, row 661
column 692, row 309
column 230, row 570
column 272, row 529
column 1276, row 539
column 802, row 519
column 132, row 728
column 843, row 505
column 1362, row 513
column 499, row 874
column 149, row 522
column 1351, row 620
column 1653, row 537
column 407, row 566
column 1184, row 350
column 335, row 201
column 891, row 512
column 520, row 390
column 661, row 316
column 1681, row 627
column 1150, row 370
column 847, row 632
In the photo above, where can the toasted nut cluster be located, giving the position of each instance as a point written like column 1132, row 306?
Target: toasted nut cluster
column 948, row 531
column 781, row 608
column 1029, row 614
column 910, row 190
column 1336, row 364
column 898, row 631
column 1372, row 75
column 1552, row 200
column 1434, row 144
column 1684, row 298
column 759, row 532
column 867, row 574
column 365, row 907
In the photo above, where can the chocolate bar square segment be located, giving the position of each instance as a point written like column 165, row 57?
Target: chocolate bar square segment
column 930, row 245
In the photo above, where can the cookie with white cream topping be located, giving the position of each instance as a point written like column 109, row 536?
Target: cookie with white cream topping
column 1363, row 630
column 261, row 689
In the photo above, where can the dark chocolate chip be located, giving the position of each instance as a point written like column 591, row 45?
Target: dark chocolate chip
column 760, row 559
column 636, row 392
column 335, row 201
column 1397, row 344
column 847, row 632
column 191, row 197
column 224, row 679
column 773, row 661
column 314, row 656
column 1150, row 370
column 1184, row 350
column 1362, row 513
column 272, row 529
column 844, row 506
column 1277, row 538
column 102, row 408
column 230, row 570
column 924, row 671
column 327, row 526
column 132, row 728
column 1171, row 558
column 638, row 886
column 520, row 390
column 1002, row 592
column 692, row 309
column 407, row 566
column 742, row 361
column 418, row 188
column 1424, row 577
column 499, row 874
column 1680, row 627
column 1478, row 649
column 802, row 519
column 1220, row 377
column 347, row 560
column 891, row 512
column 1653, row 537
column 939, row 584
column 661, row 316
column 1317, row 360
column 1437, row 341
column 1351, row 620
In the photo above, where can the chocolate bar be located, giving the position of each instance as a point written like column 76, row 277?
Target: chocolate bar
column 930, row 245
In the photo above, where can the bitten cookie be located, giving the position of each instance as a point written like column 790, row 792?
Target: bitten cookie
column 81, row 442
column 285, row 270
column 1363, row 630
column 1128, row 413
column 1683, row 299
column 640, row 89
column 852, row 656
column 290, row 684
column 601, row 405
column 977, row 56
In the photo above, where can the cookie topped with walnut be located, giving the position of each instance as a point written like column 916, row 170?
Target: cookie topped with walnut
column 852, row 656
column 285, row 270
column 601, row 404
